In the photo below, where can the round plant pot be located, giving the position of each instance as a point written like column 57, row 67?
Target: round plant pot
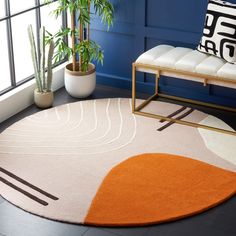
column 80, row 84
column 43, row 100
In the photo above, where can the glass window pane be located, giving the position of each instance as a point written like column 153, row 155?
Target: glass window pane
column 4, row 58
column 21, row 45
column 48, row 20
column 2, row 8
column 17, row 5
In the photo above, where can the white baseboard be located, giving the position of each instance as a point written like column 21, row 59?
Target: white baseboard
column 21, row 97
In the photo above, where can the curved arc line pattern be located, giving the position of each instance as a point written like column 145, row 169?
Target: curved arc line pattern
column 45, row 125
column 95, row 125
column 63, row 125
column 74, row 128
column 109, row 124
column 81, row 117
column 85, row 161
column 89, row 132
column 104, row 144
column 57, row 114
column 59, row 131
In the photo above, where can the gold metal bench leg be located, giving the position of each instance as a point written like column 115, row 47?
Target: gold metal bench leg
column 137, row 110
column 157, row 83
column 148, row 100
column 133, row 87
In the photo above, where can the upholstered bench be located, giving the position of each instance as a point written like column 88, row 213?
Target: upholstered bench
column 183, row 63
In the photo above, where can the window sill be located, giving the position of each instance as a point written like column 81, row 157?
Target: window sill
column 21, row 97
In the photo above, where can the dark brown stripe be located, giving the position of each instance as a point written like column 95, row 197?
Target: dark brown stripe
column 29, row 195
column 174, row 113
column 28, row 184
column 177, row 118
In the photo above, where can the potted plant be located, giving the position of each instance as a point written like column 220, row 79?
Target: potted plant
column 43, row 95
column 80, row 75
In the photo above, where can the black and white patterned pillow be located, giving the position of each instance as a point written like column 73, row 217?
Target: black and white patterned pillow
column 219, row 34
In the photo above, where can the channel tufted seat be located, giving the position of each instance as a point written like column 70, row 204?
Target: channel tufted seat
column 183, row 63
column 193, row 64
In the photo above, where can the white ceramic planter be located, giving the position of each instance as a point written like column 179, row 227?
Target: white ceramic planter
column 80, row 84
column 43, row 100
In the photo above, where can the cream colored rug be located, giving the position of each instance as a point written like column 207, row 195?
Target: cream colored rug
column 54, row 162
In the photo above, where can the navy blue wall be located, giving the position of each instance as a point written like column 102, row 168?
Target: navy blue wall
column 142, row 24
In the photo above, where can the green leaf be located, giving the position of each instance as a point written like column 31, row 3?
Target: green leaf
column 87, row 50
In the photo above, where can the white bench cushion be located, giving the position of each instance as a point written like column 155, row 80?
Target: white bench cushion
column 227, row 71
column 190, row 61
column 186, row 59
column 171, row 57
column 210, row 65
column 150, row 56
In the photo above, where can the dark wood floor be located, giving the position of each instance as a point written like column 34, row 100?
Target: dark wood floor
column 219, row 221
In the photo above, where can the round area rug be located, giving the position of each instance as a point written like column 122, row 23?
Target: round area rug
column 95, row 163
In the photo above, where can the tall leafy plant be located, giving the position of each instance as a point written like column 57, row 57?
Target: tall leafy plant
column 81, row 13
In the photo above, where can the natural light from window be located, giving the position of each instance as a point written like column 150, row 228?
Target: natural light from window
column 5, row 81
column 15, row 26
column 17, row 5
column 2, row 8
column 22, row 54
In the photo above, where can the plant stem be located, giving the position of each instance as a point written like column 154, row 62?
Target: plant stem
column 49, row 74
column 88, row 27
column 42, row 58
column 81, row 40
column 73, row 40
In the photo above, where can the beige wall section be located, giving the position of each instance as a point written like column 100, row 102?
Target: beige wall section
column 20, row 98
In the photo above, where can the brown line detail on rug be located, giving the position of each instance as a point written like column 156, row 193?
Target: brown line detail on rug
column 28, row 184
column 174, row 113
column 177, row 118
column 29, row 195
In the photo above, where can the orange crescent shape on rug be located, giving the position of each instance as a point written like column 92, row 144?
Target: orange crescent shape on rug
column 156, row 188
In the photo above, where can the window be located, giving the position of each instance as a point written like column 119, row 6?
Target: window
column 21, row 49
column 15, row 57
column 2, row 9
column 5, row 80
